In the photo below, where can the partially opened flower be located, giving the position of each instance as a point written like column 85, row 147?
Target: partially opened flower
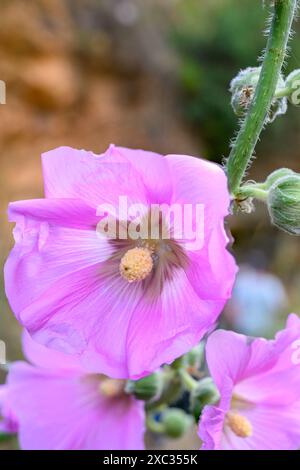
column 57, row 405
column 130, row 302
column 259, row 384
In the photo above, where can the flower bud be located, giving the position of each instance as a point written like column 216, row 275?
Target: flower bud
column 243, row 87
column 293, row 83
column 147, row 388
column 176, row 422
column 204, row 394
column 284, row 203
column 276, row 175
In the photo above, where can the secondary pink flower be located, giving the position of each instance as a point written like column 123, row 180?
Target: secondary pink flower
column 259, row 383
column 126, row 306
column 57, row 405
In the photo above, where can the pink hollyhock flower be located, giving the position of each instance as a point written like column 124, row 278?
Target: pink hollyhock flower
column 259, row 383
column 59, row 406
column 125, row 305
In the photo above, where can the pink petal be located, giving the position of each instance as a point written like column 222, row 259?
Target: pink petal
column 87, row 313
column 154, row 171
column 47, row 358
column 47, row 249
column 197, row 181
column 169, row 324
column 211, row 427
column 274, row 428
column 95, row 179
column 227, row 355
column 60, row 410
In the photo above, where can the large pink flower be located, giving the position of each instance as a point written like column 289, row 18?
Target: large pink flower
column 124, row 306
column 259, row 384
column 57, row 405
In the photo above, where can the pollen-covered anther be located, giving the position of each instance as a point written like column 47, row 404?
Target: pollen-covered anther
column 112, row 388
column 136, row 264
column 238, row 424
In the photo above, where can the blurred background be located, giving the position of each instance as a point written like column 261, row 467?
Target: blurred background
column 150, row 74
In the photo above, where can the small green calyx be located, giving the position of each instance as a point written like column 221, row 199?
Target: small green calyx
column 284, row 203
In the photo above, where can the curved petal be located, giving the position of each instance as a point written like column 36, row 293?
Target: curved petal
column 154, row 171
column 212, row 271
column 227, row 355
column 169, row 323
column 57, row 411
column 202, row 186
column 47, row 248
column 211, row 427
column 197, row 181
column 87, row 313
column 95, row 179
column 268, row 385
column 46, row 358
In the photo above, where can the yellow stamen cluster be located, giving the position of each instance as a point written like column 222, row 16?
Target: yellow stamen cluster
column 240, row 425
column 136, row 264
column 111, row 388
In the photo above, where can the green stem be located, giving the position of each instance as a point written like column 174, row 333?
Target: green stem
column 252, row 190
column 189, row 383
column 282, row 92
column 244, row 145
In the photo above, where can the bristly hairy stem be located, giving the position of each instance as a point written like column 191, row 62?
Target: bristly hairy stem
column 244, row 145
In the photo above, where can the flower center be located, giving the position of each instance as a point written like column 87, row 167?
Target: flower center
column 136, row 264
column 111, row 388
column 238, row 424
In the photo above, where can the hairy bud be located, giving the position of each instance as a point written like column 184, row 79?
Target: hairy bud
column 243, row 87
column 284, row 203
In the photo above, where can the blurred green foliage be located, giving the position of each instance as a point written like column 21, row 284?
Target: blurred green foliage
column 214, row 40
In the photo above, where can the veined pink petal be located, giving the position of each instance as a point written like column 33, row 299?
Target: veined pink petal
column 95, row 179
column 164, row 323
column 62, row 410
column 197, row 181
column 39, row 355
column 87, row 318
column 154, row 171
column 45, row 251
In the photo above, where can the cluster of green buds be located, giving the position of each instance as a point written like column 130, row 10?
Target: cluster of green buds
column 163, row 390
column 281, row 193
column 243, row 87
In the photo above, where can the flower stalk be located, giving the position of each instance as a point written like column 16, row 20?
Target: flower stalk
column 251, row 128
